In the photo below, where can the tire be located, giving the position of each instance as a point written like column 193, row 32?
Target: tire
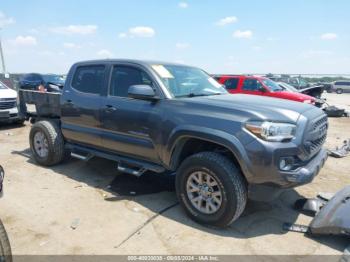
column 5, row 248
column 339, row 91
column 52, row 151
column 229, row 180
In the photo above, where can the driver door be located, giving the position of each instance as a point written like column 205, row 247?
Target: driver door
column 129, row 126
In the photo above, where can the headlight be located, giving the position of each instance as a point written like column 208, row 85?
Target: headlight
column 270, row 131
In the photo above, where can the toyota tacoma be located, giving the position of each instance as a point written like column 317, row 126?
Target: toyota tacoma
column 164, row 117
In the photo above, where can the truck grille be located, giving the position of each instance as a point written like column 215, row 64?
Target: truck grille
column 317, row 134
column 7, row 104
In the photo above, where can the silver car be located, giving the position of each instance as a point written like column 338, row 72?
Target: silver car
column 341, row 86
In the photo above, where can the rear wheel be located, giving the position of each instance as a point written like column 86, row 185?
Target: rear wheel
column 339, row 91
column 211, row 189
column 5, row 248
column 47, row 143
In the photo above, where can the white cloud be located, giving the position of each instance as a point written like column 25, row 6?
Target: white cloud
column 182, row 45
column 5, row 20
column 243, row 34
column 75, row 29
column 329, row 36
column 183, row 5
column 71, row 45
column 138, row 31
column 25, row 41
column 123, row 35
column 105, row 53
column 227, row 20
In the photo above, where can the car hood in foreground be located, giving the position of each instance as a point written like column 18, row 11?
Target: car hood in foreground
column 254, row 107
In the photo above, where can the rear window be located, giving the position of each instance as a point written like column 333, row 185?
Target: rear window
column 231, row 83
column 89, row 79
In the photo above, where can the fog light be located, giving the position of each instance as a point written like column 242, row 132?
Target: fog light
column 286, row 163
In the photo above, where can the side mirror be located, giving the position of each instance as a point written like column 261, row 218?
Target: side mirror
column 142, row 92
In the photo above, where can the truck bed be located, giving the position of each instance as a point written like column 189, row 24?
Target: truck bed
column 46, row 104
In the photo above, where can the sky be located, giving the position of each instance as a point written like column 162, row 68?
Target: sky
column 262, row 36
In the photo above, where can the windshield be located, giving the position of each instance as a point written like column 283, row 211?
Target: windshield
column 184, row 81
column 288, row 87
column 271, row 85
column 54, row 79
column 2, row 86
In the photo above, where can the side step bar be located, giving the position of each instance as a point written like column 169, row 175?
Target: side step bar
column 136, row 172
column 81, row 157
column 125, row 164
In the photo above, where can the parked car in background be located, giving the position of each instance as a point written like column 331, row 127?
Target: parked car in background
column 314, row 90
column 5, row 247
column 33, row 81
column 8, row 105
column 262, row 86
column 341, row 86
column 171, row 118
column 318, row 102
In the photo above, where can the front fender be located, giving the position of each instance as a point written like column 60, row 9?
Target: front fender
column 180, row 135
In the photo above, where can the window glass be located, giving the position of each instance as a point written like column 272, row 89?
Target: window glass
column 251, row 85
column 273, row 86
column 124, row 76
column 89, row 79
column 185, row 81
column 231, row 83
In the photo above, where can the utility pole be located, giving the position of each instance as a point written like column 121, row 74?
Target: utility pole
column 2, row 56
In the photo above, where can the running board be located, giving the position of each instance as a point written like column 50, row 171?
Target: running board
column 135, row 172
column 81, row 157
column 86, row 153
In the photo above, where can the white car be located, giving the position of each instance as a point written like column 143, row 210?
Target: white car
column 8, row 105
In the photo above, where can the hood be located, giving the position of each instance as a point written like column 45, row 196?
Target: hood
column 252, row 107
column 294, row 96
column 8, row 93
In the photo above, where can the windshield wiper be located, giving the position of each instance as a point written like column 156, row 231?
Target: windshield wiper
column 199, row 94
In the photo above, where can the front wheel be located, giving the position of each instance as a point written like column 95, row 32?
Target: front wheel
column 5, row 248
column 211, row 189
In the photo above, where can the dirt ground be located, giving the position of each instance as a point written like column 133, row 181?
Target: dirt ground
column 41, row 205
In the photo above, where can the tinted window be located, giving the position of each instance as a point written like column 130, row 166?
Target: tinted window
column 342, row 83
column 123, row 77
column 89, row 79
column 251, row 85
column 231, row 83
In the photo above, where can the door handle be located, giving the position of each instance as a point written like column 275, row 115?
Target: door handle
column 110, row 109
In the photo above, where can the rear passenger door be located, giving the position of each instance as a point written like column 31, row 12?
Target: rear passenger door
column 252, row 86
column 130, row 126
column 80, row 105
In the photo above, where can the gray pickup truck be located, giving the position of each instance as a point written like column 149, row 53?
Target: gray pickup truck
column 163, row 117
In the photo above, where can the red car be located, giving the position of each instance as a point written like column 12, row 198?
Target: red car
column 261, row 86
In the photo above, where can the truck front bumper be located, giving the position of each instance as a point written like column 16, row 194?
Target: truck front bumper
column 306, row 174
column 9, row 115
column 263, row 165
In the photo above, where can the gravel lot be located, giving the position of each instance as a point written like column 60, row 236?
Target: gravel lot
column 41, row 205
